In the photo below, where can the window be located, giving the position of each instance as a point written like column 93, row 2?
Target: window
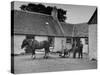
column 86, row 40
column 51, row 40
column 68, row 40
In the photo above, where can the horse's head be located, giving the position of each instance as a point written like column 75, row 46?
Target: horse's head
column 24, row 43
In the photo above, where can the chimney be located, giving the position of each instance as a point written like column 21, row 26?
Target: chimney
column 54, row 12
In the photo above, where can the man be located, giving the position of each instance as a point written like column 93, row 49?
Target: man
column 80, row 50
column 75, row 49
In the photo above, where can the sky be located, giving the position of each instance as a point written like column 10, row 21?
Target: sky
column 75, row 13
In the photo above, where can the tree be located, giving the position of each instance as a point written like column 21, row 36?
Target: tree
column 45, row 10
column 61, row 15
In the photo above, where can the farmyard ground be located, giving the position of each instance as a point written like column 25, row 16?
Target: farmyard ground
column 25, row 64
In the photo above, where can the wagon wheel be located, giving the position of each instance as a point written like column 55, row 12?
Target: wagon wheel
column 66, row 53
column 61, row 55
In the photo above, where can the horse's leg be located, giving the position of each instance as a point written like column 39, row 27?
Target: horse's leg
column 65, row 53
column 33, row 54
column 46, row 53
column 45, row 56
column 74, row 54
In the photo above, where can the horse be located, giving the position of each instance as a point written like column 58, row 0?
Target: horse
column 34, row 44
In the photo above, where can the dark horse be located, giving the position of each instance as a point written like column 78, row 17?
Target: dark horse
column 34, row 44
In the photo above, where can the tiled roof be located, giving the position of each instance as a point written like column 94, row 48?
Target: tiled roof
column 41, row 24
column 93, row 19
column 68, row 29
column 81, row 30
column 35, row 23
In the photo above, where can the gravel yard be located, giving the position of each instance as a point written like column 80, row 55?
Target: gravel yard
column 25, row 64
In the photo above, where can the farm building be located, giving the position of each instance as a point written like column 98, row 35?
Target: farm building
column 47, row 27
column 87, row 33
column 68, row 33
column 93, row 36
column 40, row 27
column 81, row 32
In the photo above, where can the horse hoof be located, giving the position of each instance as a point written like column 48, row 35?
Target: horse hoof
column 45, row 57
column 33, row 58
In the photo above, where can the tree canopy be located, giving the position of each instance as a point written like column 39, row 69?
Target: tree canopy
column 40, row 8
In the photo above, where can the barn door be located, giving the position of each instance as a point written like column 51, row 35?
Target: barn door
column 59, row 44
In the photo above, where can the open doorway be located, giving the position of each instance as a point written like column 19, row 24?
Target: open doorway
column 84, row 40
column 51, row 40
column 85, row 45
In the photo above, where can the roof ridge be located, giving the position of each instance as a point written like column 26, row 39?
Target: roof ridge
column 30, row 23
column 66, row 23
column 81, row 23
column 32, row 12
column 95, row 12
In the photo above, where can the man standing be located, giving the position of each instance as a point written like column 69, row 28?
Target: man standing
column 80, row 50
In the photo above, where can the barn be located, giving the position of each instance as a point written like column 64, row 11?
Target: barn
column 68, row 33
column 81, row 32
column 93, row 36
column 40, row 27
column 47, row 27
column 87, row 33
